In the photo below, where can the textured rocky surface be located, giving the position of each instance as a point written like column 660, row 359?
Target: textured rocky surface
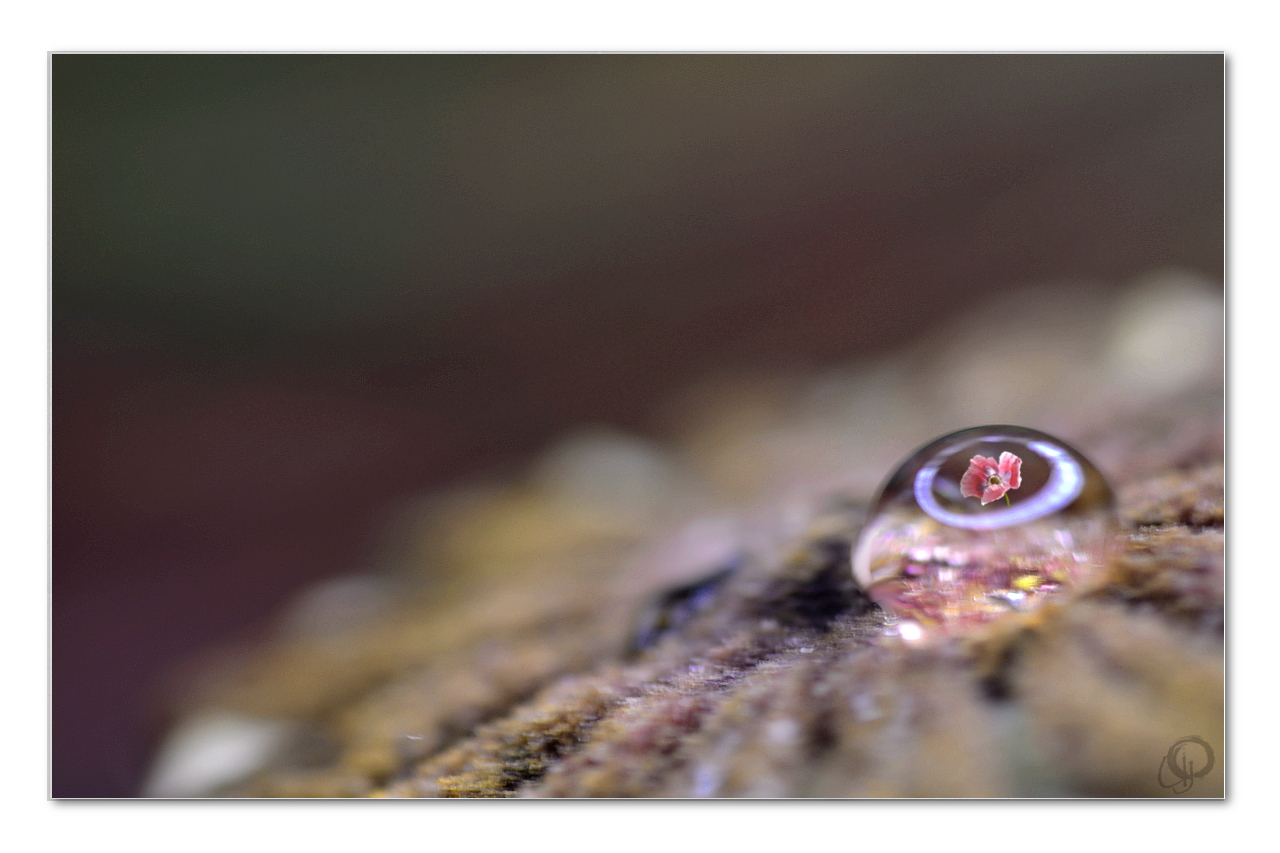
column 632, row 619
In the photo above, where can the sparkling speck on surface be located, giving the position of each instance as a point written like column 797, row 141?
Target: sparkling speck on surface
column 939, row 561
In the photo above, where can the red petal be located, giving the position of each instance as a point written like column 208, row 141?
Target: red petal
column 1011, row 469
column 994, row 493
column 973, row 481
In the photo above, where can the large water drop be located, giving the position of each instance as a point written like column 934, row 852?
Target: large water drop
column 982, row 522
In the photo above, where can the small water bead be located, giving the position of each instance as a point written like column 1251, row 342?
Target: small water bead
column 981, row 522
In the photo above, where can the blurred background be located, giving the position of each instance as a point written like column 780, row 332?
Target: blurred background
column 291, row 293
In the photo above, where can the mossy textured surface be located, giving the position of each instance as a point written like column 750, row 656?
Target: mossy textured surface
column 705, row 638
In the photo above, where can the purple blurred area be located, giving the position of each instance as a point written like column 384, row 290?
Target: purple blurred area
column 292, row 291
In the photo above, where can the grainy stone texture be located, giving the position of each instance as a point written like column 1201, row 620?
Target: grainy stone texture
column 632, row 620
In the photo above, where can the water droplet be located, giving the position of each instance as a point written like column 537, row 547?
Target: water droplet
column 982, row 522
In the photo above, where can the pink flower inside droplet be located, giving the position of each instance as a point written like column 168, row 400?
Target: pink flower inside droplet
column 988, row 479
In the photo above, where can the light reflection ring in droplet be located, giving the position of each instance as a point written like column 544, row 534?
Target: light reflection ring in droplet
column 1066, row 480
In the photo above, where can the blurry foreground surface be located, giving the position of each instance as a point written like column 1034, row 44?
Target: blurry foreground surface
column 632, row 619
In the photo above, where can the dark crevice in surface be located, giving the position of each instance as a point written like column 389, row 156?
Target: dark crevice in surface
column 997, row 683
column 674, row 608
column 812, row 600
column 1188, row 520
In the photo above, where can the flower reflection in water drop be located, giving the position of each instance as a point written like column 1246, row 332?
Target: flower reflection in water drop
column 988, row 479
column 937, row 559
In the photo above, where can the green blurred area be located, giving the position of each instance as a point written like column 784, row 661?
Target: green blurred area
column 222, row 194
column 242, row 198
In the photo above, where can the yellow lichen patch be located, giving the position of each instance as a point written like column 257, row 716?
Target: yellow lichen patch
column 502, row 756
